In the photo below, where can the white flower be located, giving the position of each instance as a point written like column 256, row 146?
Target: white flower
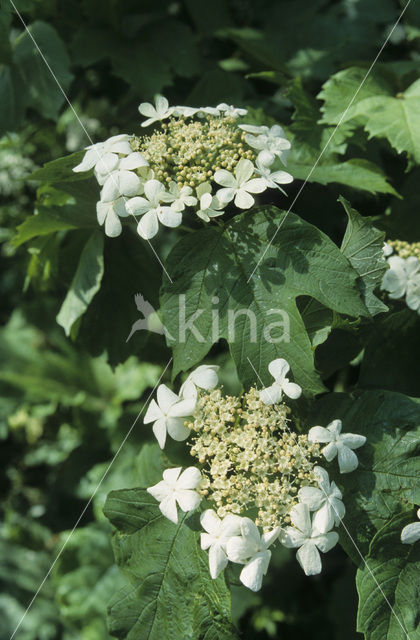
column 110, row 213
column 304, row 536
column 160, row 111
column 251, row 549
column 104, row 168
column 326, row 501
column 152, row 211
column 411, row 533
column 168, row 415
column 105, row 152
column 239, row 186
column 204, row 377
column 340, row 444
column 269, row 142
column 394, row 281
column 230, row 110
column 209, row 206
column 278, row 369
column 179, row 198
column 176, row 488
column 218, row 532
column 272, row 180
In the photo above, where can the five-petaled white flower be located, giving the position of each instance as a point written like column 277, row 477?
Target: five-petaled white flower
column 105, row 152
column 160, row 111
column 179, row 198
column 218, row 532
column 273, row 394
column 230, row 110
column 251, row 549
column 325, row 501
column 151, row 210
column 411, row 532
column 239, row 186
column 204, row 377
column 270, row 142
column 339, row 444
column 210, row 207
column 168, row 415
column 275, row 179
column 304, row 536
column 176, row 488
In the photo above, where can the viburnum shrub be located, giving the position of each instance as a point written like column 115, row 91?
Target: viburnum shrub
column 307, row 447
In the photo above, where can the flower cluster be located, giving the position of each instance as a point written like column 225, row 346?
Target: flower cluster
column 403, row 276
column 254, row 472
column 196, row 159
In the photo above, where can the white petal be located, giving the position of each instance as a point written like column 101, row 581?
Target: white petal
column 102, row 210
column 137, row 205
column 187, row 499
column 90, row 158
column 182, row 408
column 159, row 429
column 323, row 520
column 335, row 427
column 256, row 185
column 253, row 572
column 271, row 395
column 153, row 412
column 147, row 109
column 243, row 171
column 311, row 496
column 168, row 509
column 159, row 491
column 133, row 161
column 266, row 157
column 301, row 518
column 110, row 190
column 231, row 526
column 330, row 451
column 177, row 429
column 352, row 440
column 153, row 190
column 278, row 369
column 309, row 559
column 171, row 476
column 239, row 549
column 188, row 390
column 270, row 537
column 281, row 177
column 189, row 479
column 107, row 163
column 148, row 226
column 217, row 560
column 224, row 178
column 243, row 200
column 347, row 459
column 250, row 531
column 226, row 195
column 129, row 183
column 113, row 226
column 169, row 217
column 327, row 541
column 292, row 390
column 411, row 533
column 319, row 434
column 205, row 200
column 211, row 522
column 323, row 479
column 161, row 104
column 205, row 376
column 165, row 397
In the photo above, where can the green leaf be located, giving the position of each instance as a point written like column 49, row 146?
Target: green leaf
column 318, row 321
column 44, row 93
column 386, row 480
column 362, row 245
column 86, row 282
column 61, row 170
column 356, row 173
column 170, row 592
column 12, row 100
column 388, row 585
column 211, row 270
column 43, row 223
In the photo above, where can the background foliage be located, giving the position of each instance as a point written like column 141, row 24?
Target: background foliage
column 71, row 386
